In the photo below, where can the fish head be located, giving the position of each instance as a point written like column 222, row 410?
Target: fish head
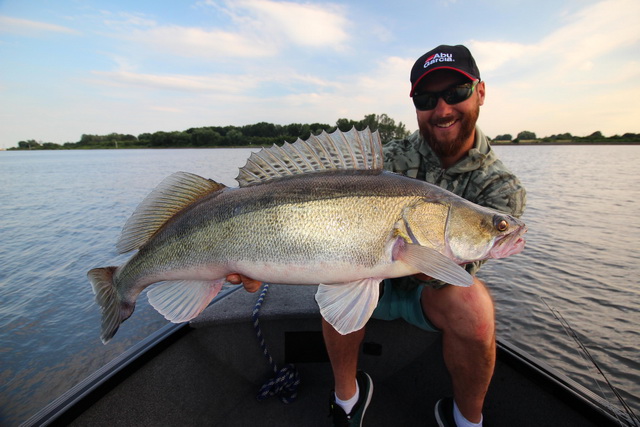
column 476, row 233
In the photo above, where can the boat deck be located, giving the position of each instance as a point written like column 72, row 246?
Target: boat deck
column 209, row 373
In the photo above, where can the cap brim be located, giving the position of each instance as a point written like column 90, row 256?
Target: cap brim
column 444, row 67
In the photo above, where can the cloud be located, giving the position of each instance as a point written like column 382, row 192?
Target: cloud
column 214, row 84
column 379, row 90
column 26, row 27
column 493, row 55
column 183, row 83
column 572, row 52
column 569, row 80
column 125, row 20
column 203, row 43
column 256, row 29
column 300, row 24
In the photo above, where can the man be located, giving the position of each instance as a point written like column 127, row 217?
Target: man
column 449, row 151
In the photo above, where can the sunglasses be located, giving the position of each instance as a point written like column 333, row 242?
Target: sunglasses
column 428, row 100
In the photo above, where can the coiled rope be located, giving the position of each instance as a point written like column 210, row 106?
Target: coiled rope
column 286, row 380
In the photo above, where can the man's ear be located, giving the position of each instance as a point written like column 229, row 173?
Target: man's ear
column 480, row 88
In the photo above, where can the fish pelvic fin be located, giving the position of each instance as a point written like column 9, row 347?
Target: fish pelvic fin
column 180, row 301
column 348, row 306
column 114, row 310
column 352, row 150
column 432, row 263
column 173, row 194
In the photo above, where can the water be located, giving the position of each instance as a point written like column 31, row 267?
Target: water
column 61, row 213
column 582, row 257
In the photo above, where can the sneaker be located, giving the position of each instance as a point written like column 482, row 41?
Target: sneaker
column 354, row 418
column 444, row 412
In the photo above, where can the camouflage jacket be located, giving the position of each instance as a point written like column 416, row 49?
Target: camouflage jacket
column 480, row 177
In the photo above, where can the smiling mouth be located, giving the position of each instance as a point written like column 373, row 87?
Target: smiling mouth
column 446, row 124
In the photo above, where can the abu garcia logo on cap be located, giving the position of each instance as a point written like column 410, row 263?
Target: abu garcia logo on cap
column 438, row 57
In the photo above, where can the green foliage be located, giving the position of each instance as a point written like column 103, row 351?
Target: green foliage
column 205, row 137
column 29, row 145
column 265, row 134
column 526, row 135
column 596, row 135
column 382, row 123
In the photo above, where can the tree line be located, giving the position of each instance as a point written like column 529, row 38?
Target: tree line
column 266, row 134
column 595, row 137
column 258, row 134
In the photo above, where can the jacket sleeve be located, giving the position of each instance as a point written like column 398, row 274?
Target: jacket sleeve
column 503, row 192
column 402, row 156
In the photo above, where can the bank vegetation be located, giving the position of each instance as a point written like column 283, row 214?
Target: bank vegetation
column 267, row 134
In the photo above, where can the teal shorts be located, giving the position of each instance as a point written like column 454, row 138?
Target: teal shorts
column 402, row 304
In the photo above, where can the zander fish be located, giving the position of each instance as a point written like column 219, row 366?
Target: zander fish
column 321, row 211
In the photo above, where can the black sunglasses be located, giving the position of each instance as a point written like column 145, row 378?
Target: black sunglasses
column 428, row 100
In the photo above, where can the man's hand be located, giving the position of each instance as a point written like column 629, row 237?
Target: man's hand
column 250, row 285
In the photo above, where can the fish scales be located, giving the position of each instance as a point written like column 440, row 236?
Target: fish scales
column 301, row 220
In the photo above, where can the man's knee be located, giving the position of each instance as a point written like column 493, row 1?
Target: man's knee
column 467, row 312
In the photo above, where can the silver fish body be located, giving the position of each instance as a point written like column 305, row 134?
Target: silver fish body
column 346, row 229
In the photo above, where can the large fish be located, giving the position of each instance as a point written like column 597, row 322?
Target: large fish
column 320, row 211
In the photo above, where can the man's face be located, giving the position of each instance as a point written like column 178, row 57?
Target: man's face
column 449, row 128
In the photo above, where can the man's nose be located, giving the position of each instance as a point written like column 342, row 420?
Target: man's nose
column 442, row 107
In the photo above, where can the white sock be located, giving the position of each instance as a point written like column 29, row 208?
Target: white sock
column 461, row 421
column 347, row 405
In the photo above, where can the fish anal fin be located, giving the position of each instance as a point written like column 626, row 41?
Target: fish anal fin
column 352, row 150
column 432, row 263
column 180, row 301
column 173, row 194
column 348, row 306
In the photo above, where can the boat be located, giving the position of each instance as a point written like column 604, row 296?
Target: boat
column 210, row 371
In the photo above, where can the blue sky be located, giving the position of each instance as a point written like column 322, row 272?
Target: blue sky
column 69, row 67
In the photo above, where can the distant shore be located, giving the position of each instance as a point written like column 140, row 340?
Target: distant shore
column 265, row 134
column 494, row 143
column 537, row 142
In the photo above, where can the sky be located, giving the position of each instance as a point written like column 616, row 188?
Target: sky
column 73, row 67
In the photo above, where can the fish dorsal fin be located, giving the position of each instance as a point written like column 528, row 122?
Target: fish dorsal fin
column 172, row 195
column 352, row 150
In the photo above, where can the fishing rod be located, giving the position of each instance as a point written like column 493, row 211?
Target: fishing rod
column 633, row 418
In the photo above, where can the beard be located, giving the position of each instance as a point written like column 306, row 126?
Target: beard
column 448, row 147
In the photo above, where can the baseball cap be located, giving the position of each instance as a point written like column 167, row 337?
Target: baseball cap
column 457, row 58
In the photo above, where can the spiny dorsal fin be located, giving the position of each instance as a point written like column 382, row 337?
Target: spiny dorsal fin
column 172, row 195
column 352, row 150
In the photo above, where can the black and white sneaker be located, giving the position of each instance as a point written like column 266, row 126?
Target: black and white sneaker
column 444, row 412
column 355, row 417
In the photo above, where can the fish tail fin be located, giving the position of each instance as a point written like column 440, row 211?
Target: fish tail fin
column 114, row 310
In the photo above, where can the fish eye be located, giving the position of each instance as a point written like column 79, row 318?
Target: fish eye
column 501, row 224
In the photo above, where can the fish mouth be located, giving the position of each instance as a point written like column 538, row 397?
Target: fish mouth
column 509, row 244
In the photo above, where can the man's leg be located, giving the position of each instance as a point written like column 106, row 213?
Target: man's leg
column 343, row 353
column 467, row 320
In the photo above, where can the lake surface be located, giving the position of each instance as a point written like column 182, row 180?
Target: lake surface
column 61, row 213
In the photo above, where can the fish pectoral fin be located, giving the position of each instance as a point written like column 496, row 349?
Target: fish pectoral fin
column 179, row 301
column 434, row 264
column 348, row 306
